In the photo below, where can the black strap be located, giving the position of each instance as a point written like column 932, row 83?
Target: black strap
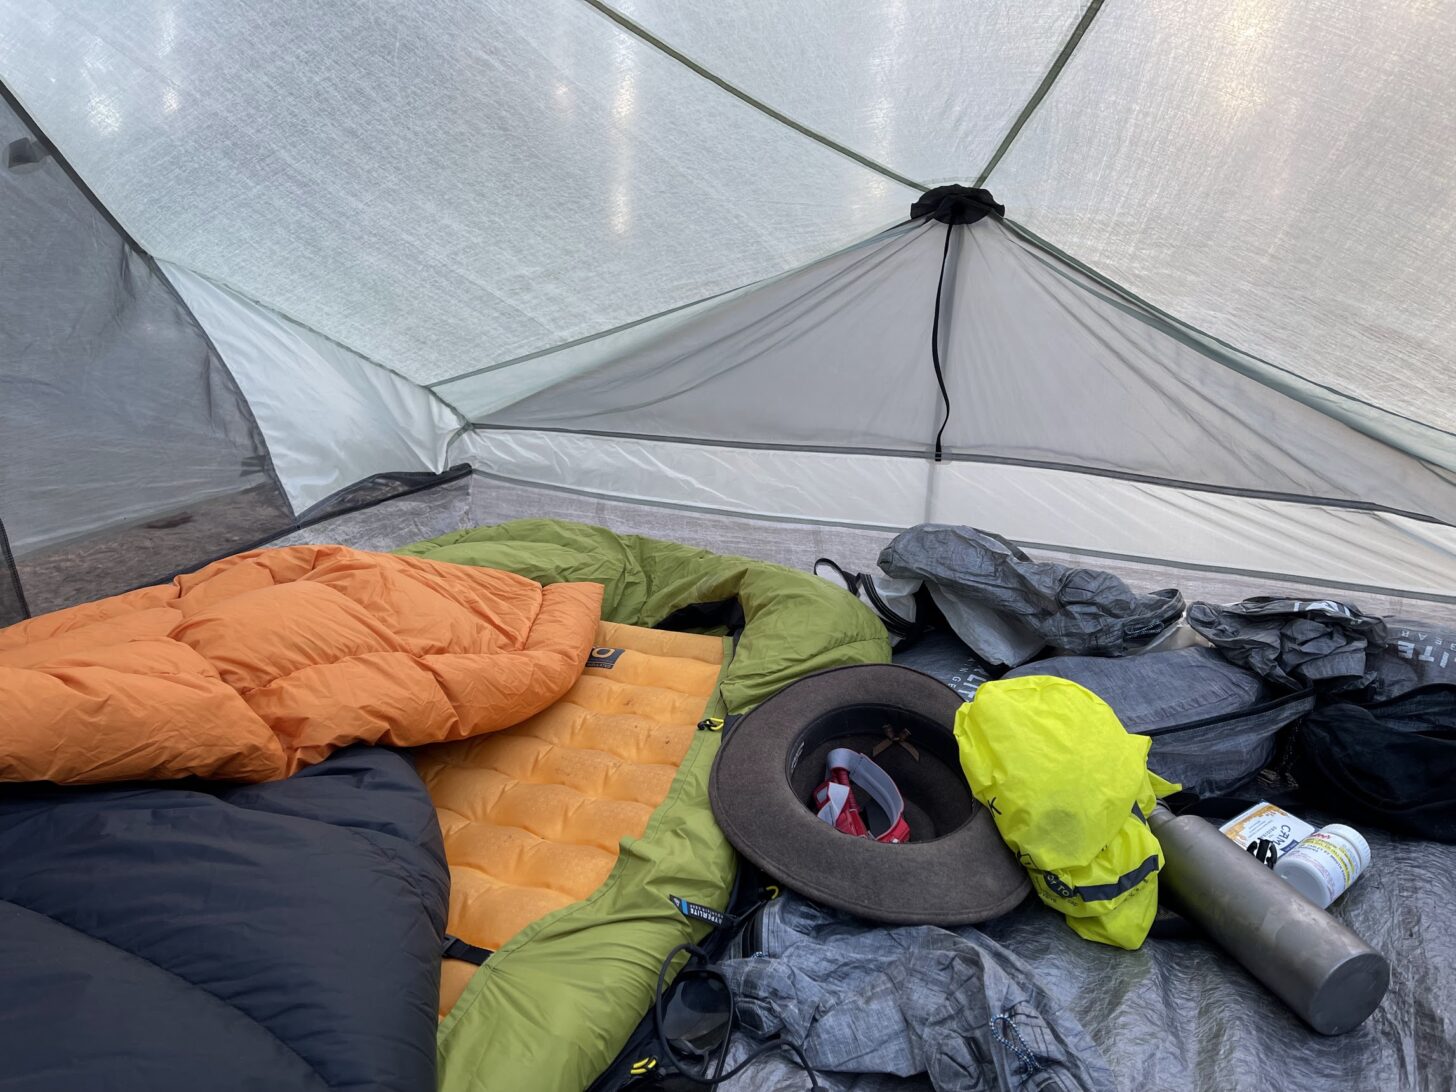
column 862, row 586
column 455, row 948
column 935, row 342
column 950, row 205
column 851, row 580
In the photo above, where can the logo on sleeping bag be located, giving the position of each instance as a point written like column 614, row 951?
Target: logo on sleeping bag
column 604, row 658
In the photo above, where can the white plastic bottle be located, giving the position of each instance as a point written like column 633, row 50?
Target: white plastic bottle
column 1324, row 865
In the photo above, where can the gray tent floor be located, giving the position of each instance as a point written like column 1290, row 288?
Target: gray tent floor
column 1177, row 1014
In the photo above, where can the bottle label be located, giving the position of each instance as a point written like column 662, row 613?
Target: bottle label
column 1339, row 856
column 1271, row 822
column 1330, row 859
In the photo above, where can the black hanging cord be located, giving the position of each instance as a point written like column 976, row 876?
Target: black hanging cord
column 935, row 343
column 951, row 205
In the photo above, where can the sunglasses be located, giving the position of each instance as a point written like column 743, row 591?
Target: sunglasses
column 695, row 1025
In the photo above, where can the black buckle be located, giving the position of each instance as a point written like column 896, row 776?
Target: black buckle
column 455, row 948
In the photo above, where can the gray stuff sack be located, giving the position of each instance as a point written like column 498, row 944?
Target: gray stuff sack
column 863, row 999
column 1416, row 654
column 1295, row 643
column 1213, row 725
column 1007, row 607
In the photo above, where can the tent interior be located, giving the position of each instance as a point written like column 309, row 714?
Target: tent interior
column 278, row 274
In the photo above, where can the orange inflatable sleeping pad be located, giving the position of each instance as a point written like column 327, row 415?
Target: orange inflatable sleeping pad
column 533, row 816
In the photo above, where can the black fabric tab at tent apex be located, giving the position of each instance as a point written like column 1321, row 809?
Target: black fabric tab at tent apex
column 957, row 205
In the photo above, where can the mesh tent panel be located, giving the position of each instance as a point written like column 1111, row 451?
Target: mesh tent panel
column 126, row 451
column 12, row 599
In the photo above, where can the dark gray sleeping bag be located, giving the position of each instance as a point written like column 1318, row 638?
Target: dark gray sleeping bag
column 191, row 936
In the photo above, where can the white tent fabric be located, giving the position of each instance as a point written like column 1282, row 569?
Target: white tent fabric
column 1076, row 421
column 648, row 249
column 1279, row 175
column 927, row 87
column 436, row 190
column 1266, row 540
column 331, row 418
column 1041, row 368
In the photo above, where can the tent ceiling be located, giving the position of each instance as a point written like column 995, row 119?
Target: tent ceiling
column 437, row 189
column 1280, row 175
column 1042, row 370
column 456, row 194
column 444, row 193
column 927, row 87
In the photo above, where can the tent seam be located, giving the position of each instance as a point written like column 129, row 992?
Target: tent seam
column 1042, row 89
column 854, row 271
column 991, row 460
column 586, row 339
column 641, row 32
column 223, row 285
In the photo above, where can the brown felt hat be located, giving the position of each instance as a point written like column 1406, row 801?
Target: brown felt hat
column 955, row 870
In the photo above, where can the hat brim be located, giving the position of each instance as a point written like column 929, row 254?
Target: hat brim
column 964, row 877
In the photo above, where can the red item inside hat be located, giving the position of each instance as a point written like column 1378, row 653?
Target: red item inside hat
column 834, row 800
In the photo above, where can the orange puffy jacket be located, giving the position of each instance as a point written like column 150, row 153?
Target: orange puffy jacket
column 263, row 663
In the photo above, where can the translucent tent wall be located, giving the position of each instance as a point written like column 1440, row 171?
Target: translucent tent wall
column 657, row 251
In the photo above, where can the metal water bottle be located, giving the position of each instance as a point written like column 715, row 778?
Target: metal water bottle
column 1330, row 977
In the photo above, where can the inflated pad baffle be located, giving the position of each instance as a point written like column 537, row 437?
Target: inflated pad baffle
column 533, row 816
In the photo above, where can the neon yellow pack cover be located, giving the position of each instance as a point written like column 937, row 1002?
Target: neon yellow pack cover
column 1070, row 790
